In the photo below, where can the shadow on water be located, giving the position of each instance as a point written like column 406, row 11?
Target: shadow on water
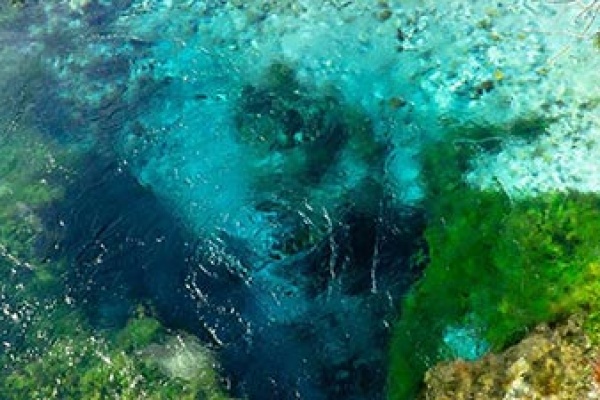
column 125, row 247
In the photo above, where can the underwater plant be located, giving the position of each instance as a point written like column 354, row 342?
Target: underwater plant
column 128, row 365
column 300, row 143
column 49, row 350
column 498, row 266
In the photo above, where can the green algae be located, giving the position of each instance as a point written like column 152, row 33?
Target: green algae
column 82, row 365
column 28, row 184
column 49, row 351
column 497, row 264
column 307, row 129
column 28, row 164
column 300, row 142
column 505, row 266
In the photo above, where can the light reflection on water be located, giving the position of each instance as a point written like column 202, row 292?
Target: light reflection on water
column 284, row 264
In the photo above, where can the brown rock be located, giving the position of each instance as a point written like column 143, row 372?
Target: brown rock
column 551, row 363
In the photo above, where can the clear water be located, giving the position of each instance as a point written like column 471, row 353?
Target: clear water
column 228, row 199
column 226, row 191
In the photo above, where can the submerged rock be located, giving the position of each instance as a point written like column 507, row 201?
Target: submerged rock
column 553, row 362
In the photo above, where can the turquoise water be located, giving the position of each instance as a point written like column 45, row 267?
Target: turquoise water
column 248, row 209
column 226, row 199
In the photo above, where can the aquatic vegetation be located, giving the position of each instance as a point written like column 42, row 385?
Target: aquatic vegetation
column 49, row 351
column 446, row 160
column 253, row 210
column 96, row 366
column 496, row 264
column 301, row 142
column 506, row 266
column 29, row 164
column 31, row 175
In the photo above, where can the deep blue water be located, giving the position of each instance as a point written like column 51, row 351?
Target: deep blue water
column 288, row 258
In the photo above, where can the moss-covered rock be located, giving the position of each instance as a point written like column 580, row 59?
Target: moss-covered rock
column 183, row 358
column 555, row 362
column 502, row 267
column 95, row 366
column 49, row 352
column 498, row 267
column 29, row 164
column 32, row 169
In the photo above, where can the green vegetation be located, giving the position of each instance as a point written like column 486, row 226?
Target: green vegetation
column 300, row 142
column 30, row 285
column 296, row 132
column 497, row 265
column 48, row 351
column 85, row 366
column 28, row 163
column 445, row 161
